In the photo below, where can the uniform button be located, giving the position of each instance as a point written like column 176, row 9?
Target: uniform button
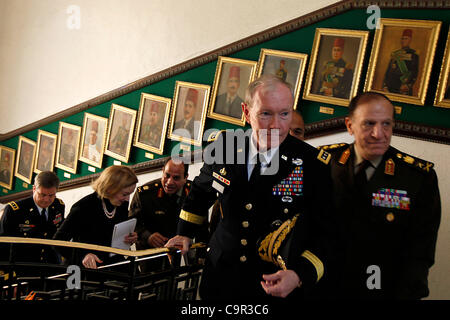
column 45, row 234
column 245, row 224
column 25, row 234
column 286, row 210
column 243, row 258
column 208, row 249
column 248, row 206
column 390, row 217
column 244, row 242
column 42, row 251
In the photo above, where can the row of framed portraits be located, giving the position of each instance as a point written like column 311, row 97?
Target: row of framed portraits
column 400, row 66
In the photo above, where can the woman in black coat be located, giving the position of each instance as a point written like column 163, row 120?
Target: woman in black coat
column 92, row 219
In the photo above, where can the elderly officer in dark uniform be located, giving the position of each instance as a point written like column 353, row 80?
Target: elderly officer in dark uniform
column 264, row 183
column 389, row 208
column 36, row 217
column 402, row 71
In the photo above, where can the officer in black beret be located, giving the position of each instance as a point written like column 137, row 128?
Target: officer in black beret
column 264, row 179
column 388, row 208
column 38, row 216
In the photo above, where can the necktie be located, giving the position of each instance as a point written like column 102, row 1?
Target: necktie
column 360, row 176
column 44, row 215
column 256, row 171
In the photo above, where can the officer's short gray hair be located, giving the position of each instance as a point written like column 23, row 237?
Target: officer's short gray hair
column 269, row 81
column 46, row 179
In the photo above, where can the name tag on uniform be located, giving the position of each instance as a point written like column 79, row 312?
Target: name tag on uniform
column 391, row 198
column 218, row 186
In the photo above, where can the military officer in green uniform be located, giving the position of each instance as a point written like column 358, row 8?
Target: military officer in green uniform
column 290, row 182
column 401, row 73
column 337, row 74
column 388, row 208
column 38, row 216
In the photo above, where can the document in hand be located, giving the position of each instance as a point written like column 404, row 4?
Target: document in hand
column 120, row 231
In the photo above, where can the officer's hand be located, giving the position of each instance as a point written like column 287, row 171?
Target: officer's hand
column 180, row 242
column 131, row 238
column 90, row 261
column 157, row 240
column 281, row 283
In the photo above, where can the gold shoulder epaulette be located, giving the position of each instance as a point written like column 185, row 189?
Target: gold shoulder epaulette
column 60, row 201
column 13, row 205
column 415, row 162
column 143, row 188
column 214, row 135
column 324, row 156
column 331, row 146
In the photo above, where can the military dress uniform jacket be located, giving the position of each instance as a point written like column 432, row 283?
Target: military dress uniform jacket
column 156, row 211
column 402, row 70
column 391, row 223
column 301, row 185
column 22, row 219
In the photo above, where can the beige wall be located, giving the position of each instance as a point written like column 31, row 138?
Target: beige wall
column 46, row 67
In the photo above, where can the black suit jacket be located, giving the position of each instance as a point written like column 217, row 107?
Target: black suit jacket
column 233, row 267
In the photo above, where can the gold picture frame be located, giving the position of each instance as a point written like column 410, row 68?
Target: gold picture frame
column 46, row 150
column 153, row 118
column 68, row 147
column 7, row 159
column 120, row 132
column 230, row 82
column 289, row 66
column 93, row 139
column 442, row 98
column 188, row 125
column 334, row 70
column 401, row 59
column 25, row 159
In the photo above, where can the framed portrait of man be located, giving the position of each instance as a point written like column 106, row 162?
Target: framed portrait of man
column 442, row 98
column 7, row 157
column 93, row 139
column 335, row 67
column 230, row 82
column 188, row 114
column 67, row 147
column 153, row 118
column 25, row 159
column 46, row 149
column 120, row 132
column 289, row 66
column 401, row 59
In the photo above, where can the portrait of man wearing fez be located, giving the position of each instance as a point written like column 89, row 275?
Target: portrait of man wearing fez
column 229, row 103
column 46, row 151
column 403, row 67
column 336, row 74
column 6, row 166
column 25, row 159
column 186, row 117
column 91, row 148
column 335, row 68
column 152, row 123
